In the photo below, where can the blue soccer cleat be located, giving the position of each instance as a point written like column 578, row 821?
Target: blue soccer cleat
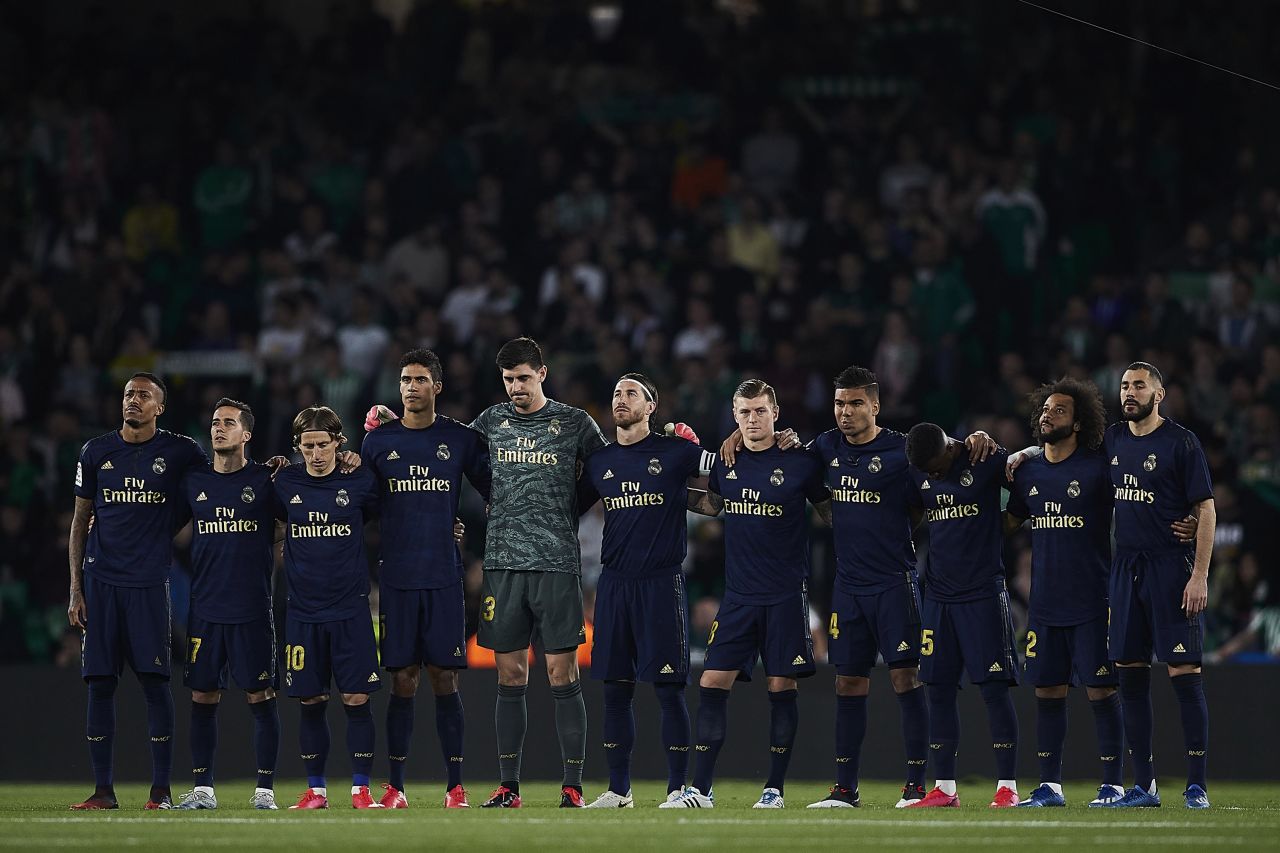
column 1041, row 797
column 1108, row 796
column 1138, row 798
column 1197, row 797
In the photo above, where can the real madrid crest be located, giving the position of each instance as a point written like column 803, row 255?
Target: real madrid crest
column 655, row 466
column 777, row 477
column 343, row 498
column 554, row 426
column 1149, row 464
column 1073, row 488
column 159, row 465
column 874, row 465
column 966, row 479
column 442, row 452
column 247, row 495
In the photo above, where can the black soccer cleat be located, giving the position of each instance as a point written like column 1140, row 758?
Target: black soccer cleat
column 502, row 798
column 839, row 797
column 910, row 794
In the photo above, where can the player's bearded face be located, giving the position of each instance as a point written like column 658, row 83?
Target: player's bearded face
column 1057, row 419
column 1138, row 395
column 418, row 389
column 630, row 404
column 319, row 451
column 142, row 403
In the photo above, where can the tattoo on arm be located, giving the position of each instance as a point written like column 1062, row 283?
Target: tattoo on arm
column 705, row 502
column 79, row 536
column 823, row 508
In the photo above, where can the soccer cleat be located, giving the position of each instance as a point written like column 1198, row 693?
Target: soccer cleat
column 311, row 800
column 770, row 798
column 910, row 794
column 838, row 798
column 393, row 798
column 1108, row 796
column 571, row 798
column 1197, row 797
column 264, row 799
column 456, row 798
column 672, row 796
column 198, row 800
column 1043, row 795
column 1138, row 798
column 163, row 804
column 1005, row 798
column 502, row 798
column 689, row 798
column 936, row 799
column 610, row 800
column 362, row 799
column 97, row 802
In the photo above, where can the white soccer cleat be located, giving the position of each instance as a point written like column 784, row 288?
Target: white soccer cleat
column 610, row 800
column 689, row 798
column 771, row 798
column 264, row 799
column 200, row 798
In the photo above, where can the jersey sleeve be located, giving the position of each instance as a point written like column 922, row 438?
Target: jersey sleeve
column 590, row 438
column 713, row 477
column 691, row 459
column 195, row 456
column 477, row 469
column 372, row 503
column 587, row 496
column 1017, row 506
column 1195, row 470
column 86, row 474
column 480, row 424
column 815, row 484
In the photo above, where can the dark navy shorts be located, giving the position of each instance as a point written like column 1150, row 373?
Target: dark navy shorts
column 345, row 652
column 777, row 634
column 246, row 652
column 967, row 636
column 1146, row 609
column 423, row 626
column 861, row 626
column 641, row 629
column 1072, row 654
column 125, row 624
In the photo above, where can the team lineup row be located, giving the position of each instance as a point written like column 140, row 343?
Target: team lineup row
column 1096, row 619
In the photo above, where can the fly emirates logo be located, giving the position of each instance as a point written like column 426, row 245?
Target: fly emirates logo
column 949, row 510
column 848, row 492
column 419, row 480
column 1053, row 519
column 752, row 505
column 318, row 527
column 633, row 497
column 224, row 521
column 1131, row 491
column 526, row 452
column 134, row 492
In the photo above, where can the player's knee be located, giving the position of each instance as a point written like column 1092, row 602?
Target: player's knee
column 258, row 696
column 513, row 668
column 314, row 700
column 1058, row 691
column 904, row 678
column 1097, row 694
column 354, row 700
column 206, row 697
column 852, row 685
column 562, row 667
column 102, row 686
column 717, row 679
column 778, row 684
column 443, row 681
column 404, row 682
column 1191, row 668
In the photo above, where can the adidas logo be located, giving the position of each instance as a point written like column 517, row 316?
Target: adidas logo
column 1034, row 491
column 373, row 678
column 608, row 475
column 1102, row 670
column 263, row 676
column 1115, row 460
column 392, row 455
column 457, row 651
column 996, row 667
column 1179, row 649
column 732, row 475
column 799, row 661
column 297, row 499
column 201, row 497
column 925, row 485
column 666, row 670
column 835, row 463
column 505, row 424
column 106, row 466
column 902, row 647
column 158, row 660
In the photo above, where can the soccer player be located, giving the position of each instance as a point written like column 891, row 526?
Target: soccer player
column 765, row 611
column 127, row 481
column 532, row 563
column 328, row 634
column 641, row 613
column 965, row 618
column 231, row 629
column 420, row 461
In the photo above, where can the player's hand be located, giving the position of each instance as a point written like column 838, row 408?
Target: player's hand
column 377, row 416
column 786, row 439
column 76, row 611
column 980, row 446
column 458, row 530
column 729, row 447
column 1196, row 595
column 1185, row 528
column 277, row 464
column 348, row 461
column 682, row 430
column 1012, row 463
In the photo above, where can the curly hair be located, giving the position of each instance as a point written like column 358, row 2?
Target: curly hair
column 1088, row 408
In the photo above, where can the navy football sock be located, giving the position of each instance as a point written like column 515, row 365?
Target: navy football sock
column 944, row 729
column 851, row 729
column 675, row 732
column 360, row 741
column 1051, row 734
column 571, row 727
column 1110, row 729
column 1003, row 723
column 784, row 719
column 915, row 732
column 619, row 733
column 1195, row 725
column 399, row 735
column 204, row 741
column 155, row 692
column 100, row 731
column 713, row 716
column 510, row 721
column 1135, row 698
column 450, row 728
column 266, row 740
column 313, row 742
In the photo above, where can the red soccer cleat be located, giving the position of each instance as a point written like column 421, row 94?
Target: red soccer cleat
column 456, row 798
column 362, row 799
column 936, row 799
column 1005, row 798
column 97, row 802
column 393, row 798
column 502, row 798
column 311, row 800
column 571, row 798
column 164, row 803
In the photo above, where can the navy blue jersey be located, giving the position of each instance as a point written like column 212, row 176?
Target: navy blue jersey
column 965, row 528
column 136, row 504
column 1158, row 478
column 324, row 556
column 765, row 529
column 1069, row 504
column 872, row 497
column 643, row 489
column 233, row 523
column 420, row 474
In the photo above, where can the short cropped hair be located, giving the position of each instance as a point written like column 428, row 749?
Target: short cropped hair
column 154, row 380
column 1089, row 412
column 246, row 413
column 318, row 419
column 1149, row 368
column 925, row 443
column 425, row 358
column 859, row 377
column 520, row 351
column 752, row 388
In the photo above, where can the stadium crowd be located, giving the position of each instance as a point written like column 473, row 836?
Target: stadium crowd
column 275, row 218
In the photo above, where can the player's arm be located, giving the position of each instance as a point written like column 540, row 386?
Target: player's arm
column 1015, row 459
column 705, row 502
column 76, row 611
column 1016, row 511
column 823, row 509
column 1012, row 522
column 980, row 446
column 1196, row 594
column 729, row 448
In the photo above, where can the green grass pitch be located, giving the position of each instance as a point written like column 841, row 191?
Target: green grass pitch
column 1243, row 817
